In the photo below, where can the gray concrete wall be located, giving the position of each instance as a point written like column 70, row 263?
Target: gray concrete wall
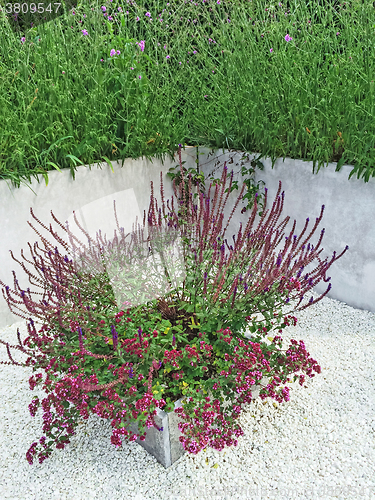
column 348, row 217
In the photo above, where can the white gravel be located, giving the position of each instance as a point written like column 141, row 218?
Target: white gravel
column 319, row 445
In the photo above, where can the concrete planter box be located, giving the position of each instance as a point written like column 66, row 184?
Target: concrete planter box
column 165, row 445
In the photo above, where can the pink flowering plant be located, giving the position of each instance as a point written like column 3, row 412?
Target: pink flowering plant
column 113, row 345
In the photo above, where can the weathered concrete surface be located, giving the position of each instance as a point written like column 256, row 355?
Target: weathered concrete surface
column 164, row 444
column 348, row 216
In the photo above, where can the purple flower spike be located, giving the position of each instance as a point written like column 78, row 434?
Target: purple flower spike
column 80, row 338
column 114, row 337
column 131, row 373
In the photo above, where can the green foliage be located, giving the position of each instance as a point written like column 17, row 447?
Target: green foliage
column 65, row 101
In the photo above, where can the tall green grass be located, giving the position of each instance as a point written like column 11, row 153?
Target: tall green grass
column 231, row 80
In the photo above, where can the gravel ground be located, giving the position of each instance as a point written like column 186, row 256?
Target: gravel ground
column 318, row 445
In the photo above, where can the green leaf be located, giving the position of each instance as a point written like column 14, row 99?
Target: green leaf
column 109, row 163
column 340, row 163
column 74, row 159
column 45, row 175
column 53, row 165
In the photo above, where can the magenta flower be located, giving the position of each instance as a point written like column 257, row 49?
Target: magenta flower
column 112, row 53
column 23, row 39
column 148, row 14
column 142, row 45
column 118, row 52
column 103, row 8
column 168, row 57
column 137, row 19
column 271, row 50
column 288, row 38
column 84, row 32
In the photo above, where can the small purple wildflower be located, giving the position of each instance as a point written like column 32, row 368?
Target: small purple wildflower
column 288, row 38
column 23, row 39
column 141, row 44
column 148, row 14
column 118, row 52
column 168, row 57
column 112, row 53
column 137, row 18
column 271, row 50
column 103, row 8
column 84, row 32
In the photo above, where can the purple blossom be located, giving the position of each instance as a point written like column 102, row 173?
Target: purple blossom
column 84, row 32
column 271, row 50
column 141, row 44
column 23, row 39
column 148, row 14
column 131, row 374
column 112, row 53
column 288, row 38
column 103, row 8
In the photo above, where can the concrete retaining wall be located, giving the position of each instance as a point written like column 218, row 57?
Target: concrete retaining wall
column 348, row 218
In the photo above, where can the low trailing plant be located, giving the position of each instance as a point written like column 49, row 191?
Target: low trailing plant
column 121, row 338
